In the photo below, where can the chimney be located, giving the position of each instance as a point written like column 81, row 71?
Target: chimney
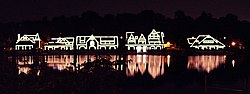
column 18, row 36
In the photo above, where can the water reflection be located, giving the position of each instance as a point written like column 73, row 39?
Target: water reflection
column 205, row 63
column 140, row 63
column 59, row 62
column 233, row 62
column 23, row 69
column 137, row 64
column 24, row 63
column 152, row 64
column 24, row 60
column 168, row 60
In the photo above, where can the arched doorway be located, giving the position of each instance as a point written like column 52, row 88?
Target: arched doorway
column 92, row 45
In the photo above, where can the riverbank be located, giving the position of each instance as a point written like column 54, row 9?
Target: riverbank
column 124, row 52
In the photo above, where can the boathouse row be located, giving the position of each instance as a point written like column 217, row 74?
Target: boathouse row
column 141, row 43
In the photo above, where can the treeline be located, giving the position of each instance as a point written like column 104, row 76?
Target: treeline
column 176, row 29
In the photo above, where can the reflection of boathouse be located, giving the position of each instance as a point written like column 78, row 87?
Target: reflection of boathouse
column 205, row 62
column 153, row 65
column 27, row 42
column 154, row 41
column 96, row 42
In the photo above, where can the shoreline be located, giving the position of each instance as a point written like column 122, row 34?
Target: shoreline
column 119, row 52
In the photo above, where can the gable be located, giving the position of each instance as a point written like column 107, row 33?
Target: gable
column 154, row 34
column 31, row 38
column 206, row 40
column 91, row 38
column 142, row 38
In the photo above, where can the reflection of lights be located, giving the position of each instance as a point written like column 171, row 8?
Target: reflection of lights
column 131, row 69
column 138, row 57
column 62, row 62
column 38, row 73
column 205, row 63
column 155, row 65
column 22, row 60
column 142, row 65
column 144, row 58
column 118, row 67
column 24, row 70
column 121, row 67
column 233, row 62
column 138, row 48
column 168, row 60
column 162, row 68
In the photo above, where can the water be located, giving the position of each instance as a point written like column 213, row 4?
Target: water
column 154, row 73
column 154, row 65
column 206, row 63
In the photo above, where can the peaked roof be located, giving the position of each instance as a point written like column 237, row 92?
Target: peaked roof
column 154, row 32
column 201, row 38
column 65, row 39
column 131, row 37
column 142, row 38
column 191, row 40
column 92, row 38
column 31, row 38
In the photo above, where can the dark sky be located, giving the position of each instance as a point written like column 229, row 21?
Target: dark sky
column 18, row 10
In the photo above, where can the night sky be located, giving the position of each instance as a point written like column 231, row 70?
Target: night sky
column 19, row 10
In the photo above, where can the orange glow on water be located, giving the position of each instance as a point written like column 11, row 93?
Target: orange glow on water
column 24, row 70
column 140, row 63
column 205, row 62
column 151, row 64
column 233, row 62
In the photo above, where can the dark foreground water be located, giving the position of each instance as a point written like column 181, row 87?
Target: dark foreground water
column 143, row 74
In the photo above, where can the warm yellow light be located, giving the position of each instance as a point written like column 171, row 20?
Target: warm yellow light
column 167, row 44
column 233, row 43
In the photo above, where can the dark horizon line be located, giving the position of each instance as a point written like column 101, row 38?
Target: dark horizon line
column 115, row 14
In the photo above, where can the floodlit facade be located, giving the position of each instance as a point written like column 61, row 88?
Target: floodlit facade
column 27, row 42
column 61, row 43
column 96, row 42
column 154, row 41
column 205, row 42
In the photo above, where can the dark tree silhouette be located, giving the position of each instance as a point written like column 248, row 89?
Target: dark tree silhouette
column 176, row 29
